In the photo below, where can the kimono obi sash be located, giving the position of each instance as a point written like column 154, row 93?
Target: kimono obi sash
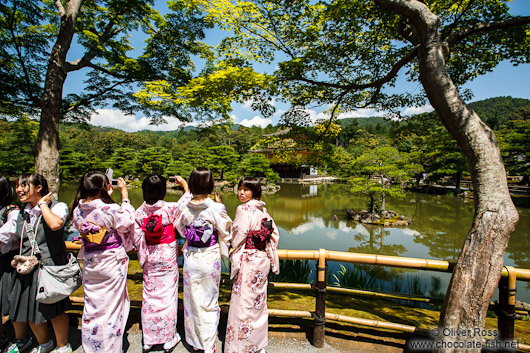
column 257, row 239
column 200, row 234
column 95, row 237
column 155, row 232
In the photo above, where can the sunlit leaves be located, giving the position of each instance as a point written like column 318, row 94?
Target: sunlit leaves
column 213, row 92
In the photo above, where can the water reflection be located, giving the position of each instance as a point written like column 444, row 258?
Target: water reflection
column 314, row 216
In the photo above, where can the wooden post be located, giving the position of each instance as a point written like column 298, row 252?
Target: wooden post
column 506, row 308
column 320, row 307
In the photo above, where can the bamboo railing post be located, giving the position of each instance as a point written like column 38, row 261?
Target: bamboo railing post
column 320, row 306
column 506, row 307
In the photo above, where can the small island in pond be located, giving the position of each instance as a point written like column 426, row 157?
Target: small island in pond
column 387, row 218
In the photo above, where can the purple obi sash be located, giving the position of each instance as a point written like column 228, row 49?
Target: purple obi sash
column 110, row 241
column 200, row 234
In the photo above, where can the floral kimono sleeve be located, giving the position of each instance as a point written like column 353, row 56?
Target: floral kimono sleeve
column 224, row 228
column 240, row 230
column 176, row 211
column 272, row 246
column 124, row 223
column 139, row 238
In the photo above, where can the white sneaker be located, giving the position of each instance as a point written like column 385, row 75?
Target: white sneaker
column 65, row 349
column 41, row 349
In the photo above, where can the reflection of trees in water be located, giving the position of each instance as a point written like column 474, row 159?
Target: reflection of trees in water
column 373, row 243
column 442, row 221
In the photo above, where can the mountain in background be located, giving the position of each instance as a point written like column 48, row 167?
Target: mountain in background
column 496, row 111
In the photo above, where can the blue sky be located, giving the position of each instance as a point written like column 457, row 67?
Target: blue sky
column 505, row 80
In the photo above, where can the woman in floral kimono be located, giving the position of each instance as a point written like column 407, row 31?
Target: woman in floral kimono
column 157, row 250
column 207, row 229
column 255, row 239
column 106, row 230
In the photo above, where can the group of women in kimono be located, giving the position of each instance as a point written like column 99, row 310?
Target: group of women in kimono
column 109, row 230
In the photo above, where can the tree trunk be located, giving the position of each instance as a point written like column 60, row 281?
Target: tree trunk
column 383, row 201
column 458, row 178
column 372, row 203
column 46, row 148
column 480, row 263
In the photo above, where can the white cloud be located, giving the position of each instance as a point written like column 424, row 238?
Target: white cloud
column 256, row 121
column 247, row 104
column 313, row 223
column 119, row 120
column 359, row 113
column 279, row 112
column 411, row 232
column 359, row 228
column 418, row 110
column 331, row 234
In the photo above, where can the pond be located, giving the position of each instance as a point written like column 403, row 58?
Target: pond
column 314, row 216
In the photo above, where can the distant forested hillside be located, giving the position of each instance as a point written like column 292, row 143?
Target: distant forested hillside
column 495, row 111
column 226, row 148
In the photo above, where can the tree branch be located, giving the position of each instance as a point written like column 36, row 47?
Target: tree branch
column 60, row 8
column 487, row 27
column 85, row 61
column 375, row 84
column 90, row 97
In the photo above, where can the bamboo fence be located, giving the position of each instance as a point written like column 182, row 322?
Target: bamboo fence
column 505, row 310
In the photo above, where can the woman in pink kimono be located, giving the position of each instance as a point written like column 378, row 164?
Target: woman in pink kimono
column 157, row 250
column 207, row 229
column 106, row 230
column 255, row 239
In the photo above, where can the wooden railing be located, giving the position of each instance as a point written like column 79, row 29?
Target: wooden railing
column 505, row 309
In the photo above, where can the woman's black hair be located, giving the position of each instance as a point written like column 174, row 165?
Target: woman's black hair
column 154, row 188
column 6, row 192
column 35, row 180
column 253, row 185
column 93, row 184
column 201, row 181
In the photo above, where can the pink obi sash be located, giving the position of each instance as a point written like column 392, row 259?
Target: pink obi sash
column 156, row 233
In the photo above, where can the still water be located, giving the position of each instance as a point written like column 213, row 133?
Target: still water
column 314, row 216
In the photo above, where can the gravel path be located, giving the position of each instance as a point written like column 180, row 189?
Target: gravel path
column 276, row 345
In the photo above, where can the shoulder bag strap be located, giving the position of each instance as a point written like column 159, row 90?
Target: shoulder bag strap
column 30, row 231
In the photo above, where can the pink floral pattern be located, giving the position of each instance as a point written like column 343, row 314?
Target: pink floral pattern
column 254, row 279
column 250, row 268
column 105, row 277
column 160, row 273
column 245, row 329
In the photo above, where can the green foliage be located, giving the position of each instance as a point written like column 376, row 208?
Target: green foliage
column 515, row 143
column 382, row 172
column 113, row 67
column 296, row 271
column 496, row 111
column 16, row 141
column 353, row 277
column 221, row 159
column 152, row 160
column 257, row 165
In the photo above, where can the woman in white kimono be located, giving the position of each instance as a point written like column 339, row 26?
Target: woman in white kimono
column 207, row 229
column 106, row 230
column 255, row 239
column 157, row 250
